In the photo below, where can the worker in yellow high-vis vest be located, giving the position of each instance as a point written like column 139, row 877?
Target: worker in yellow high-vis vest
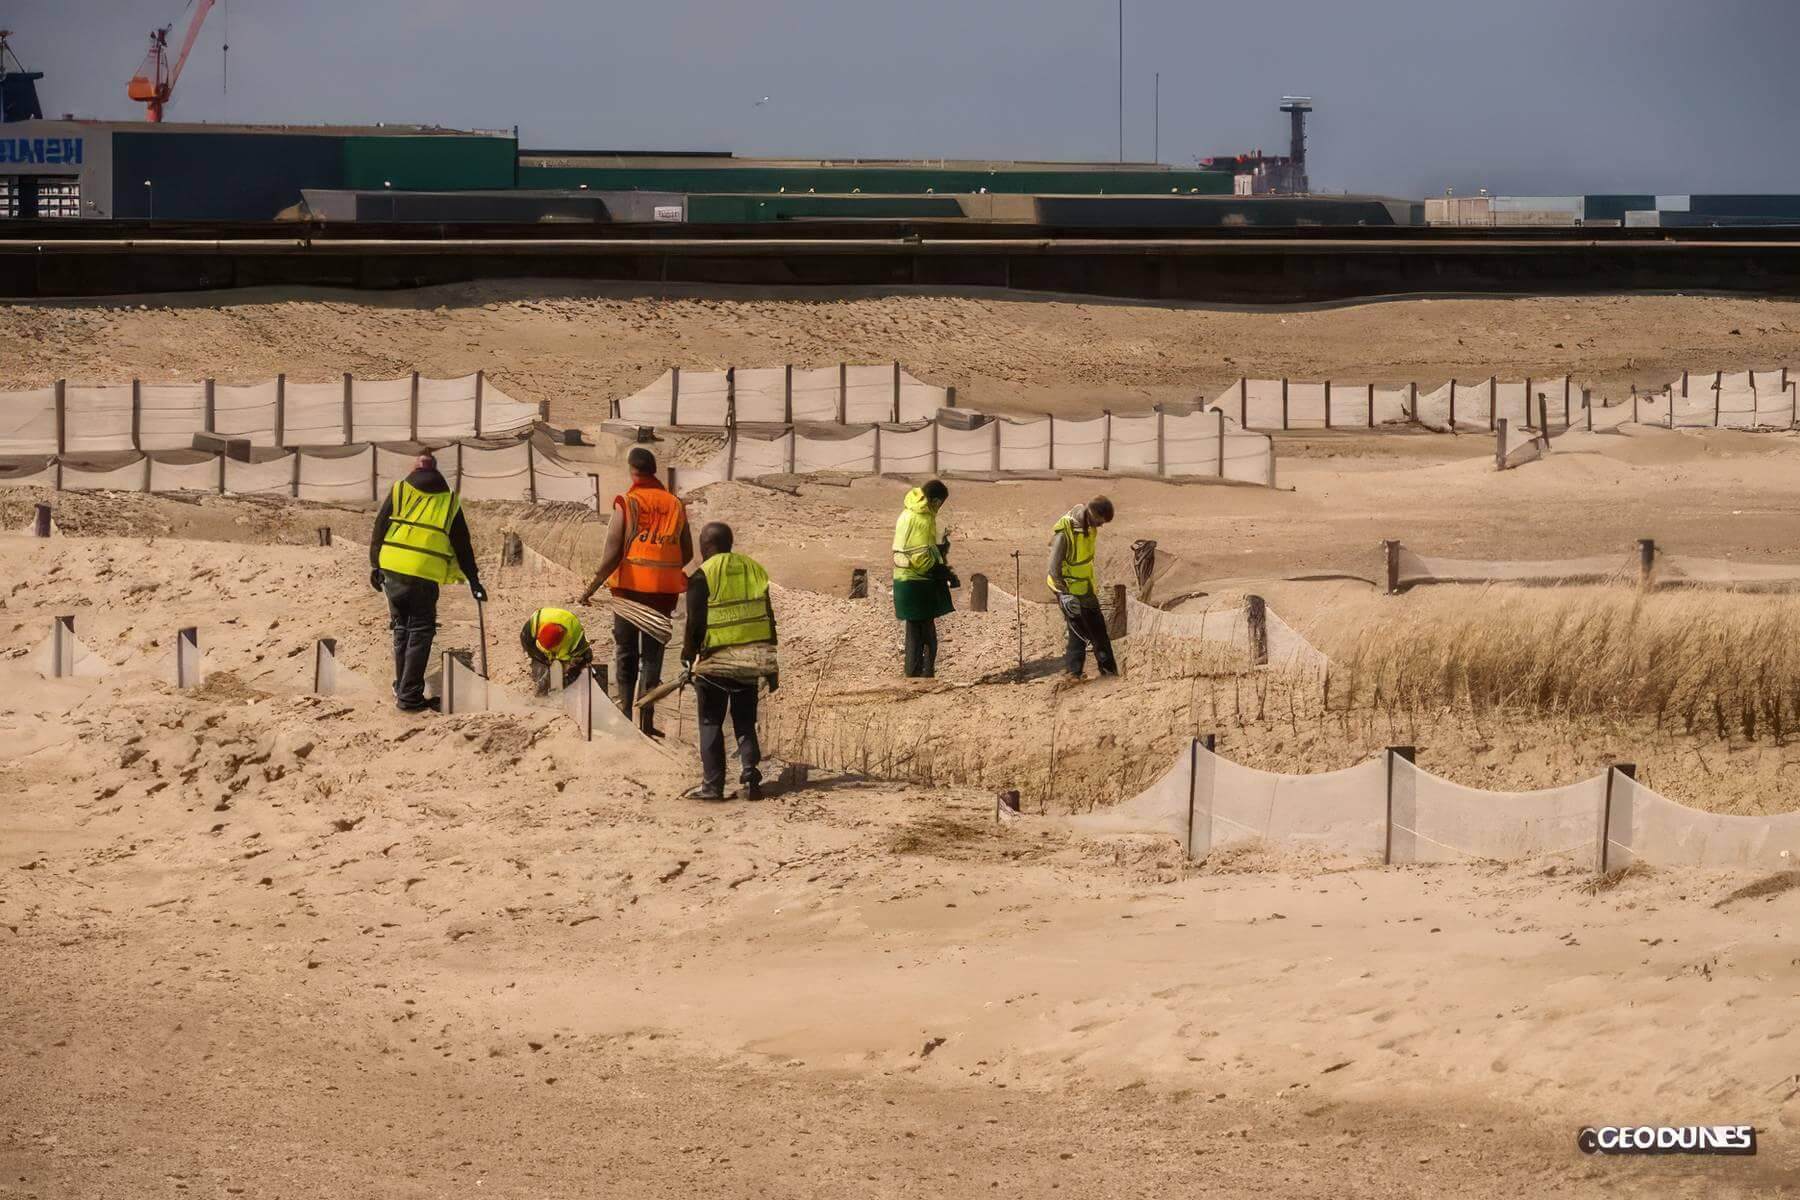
column 555, row 635
column 922, row 575
column 420, row 543
column 727, row 605
column 1073, row 543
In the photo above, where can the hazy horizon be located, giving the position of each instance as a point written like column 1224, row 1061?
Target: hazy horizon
column 1541, row 99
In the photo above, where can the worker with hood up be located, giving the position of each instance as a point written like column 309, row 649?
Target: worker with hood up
column 922, row 576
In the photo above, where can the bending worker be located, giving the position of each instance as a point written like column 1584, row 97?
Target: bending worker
column 647, row 548
column 1072, row 546
column 728, row 644
column 420, row 543
column 922, row 576
column 555, row 635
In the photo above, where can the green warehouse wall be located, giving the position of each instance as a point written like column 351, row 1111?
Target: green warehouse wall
column 882, row 180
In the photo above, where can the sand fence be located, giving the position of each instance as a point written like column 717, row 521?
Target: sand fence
column 1388, row 809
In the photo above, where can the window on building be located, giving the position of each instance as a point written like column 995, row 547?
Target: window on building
column 59, row 197
column 9, row 197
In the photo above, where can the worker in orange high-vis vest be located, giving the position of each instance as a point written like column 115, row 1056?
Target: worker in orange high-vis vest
column 648, row 545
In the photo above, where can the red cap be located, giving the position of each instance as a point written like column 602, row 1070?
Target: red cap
column 550, row 635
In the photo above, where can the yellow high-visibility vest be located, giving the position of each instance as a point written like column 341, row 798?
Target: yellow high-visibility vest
column 1077, row 566
column 574, row 636
column 417, row 541
column 915, row 539
column 737, row 601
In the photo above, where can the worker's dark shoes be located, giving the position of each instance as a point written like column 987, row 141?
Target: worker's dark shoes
column 753, row 790
column 702, row 792
column 429, row 704
column 651, row 731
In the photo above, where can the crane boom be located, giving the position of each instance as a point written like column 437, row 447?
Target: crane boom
column 187, row 43
column 154, row 82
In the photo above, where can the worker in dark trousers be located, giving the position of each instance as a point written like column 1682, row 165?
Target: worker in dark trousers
column 647, row 546
column 922, row 576
column 727, row 607
column 1073, row 542
column 420, row 542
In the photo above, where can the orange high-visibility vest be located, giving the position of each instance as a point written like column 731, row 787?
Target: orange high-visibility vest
column 653, row 558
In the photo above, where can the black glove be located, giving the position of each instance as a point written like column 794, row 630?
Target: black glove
column 477, row 591
column 774, row 681
column 952, row 578
column 375, row 578
column 1071, row 605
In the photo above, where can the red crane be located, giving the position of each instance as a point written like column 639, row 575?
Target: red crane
column 155, row 80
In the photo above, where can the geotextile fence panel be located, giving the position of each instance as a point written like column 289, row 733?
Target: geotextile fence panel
column 169, row 414
column 1388, row 809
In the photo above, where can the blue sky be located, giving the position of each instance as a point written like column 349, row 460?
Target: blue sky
column 1522, row 97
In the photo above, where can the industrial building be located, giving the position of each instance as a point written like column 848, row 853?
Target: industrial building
column 1605, row 211
column 111, row 169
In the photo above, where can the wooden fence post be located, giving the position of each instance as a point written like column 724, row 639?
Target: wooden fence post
column 324, row 535
column 1221, row 413
column 1371, row 406
column 1161, row 455
column 1256, row 617
column 1453, row 404
column 62, row 416
column 1566, row 399
column 1646, row 560
column 1543, row 418
column 1494, row 401
column 1243, row 402
column 859, row 583
column 187, row 658
column 1328, row 404
column 1390, row 550
column 512, row 550
column 62, row 648
column 480, row 390
column 137, row 416
column 413, row 405
column 1684, row 379
column 324, row 666
column 934, row 444
column 978, row 593
column 994, row 423
column 349, row 410
column 1052, row 427
column 787, row 394
column 1387, row 848
column 40, row 523
column 674, row 395
column 1284, row 402
column 281, row 409
column 210, row 411
column 1193, row 786
column 1121, row 613
column 896, row 391
column 1500, row 445
column 1412, row 398
column 1601, row 855
column 843, row 404
column 1106, row 439
column 530, row 472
